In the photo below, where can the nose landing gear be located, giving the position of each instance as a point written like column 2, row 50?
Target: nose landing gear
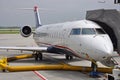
column 94, row 67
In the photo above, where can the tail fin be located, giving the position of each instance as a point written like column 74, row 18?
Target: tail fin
column 37, row 18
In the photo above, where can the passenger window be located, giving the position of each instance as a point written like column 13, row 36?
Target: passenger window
column 88, row 31
column 100, row 31
column 76, row 31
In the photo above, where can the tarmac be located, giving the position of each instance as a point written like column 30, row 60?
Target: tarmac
column 18, row 40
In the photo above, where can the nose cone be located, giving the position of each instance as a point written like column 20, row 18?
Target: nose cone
column 108, row 49
column 98, row 47
column 105, row 48
column 101, row 47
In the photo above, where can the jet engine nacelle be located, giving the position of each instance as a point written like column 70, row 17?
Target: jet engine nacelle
column 26, row 31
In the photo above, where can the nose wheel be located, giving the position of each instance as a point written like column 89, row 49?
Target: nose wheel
column 94, row 67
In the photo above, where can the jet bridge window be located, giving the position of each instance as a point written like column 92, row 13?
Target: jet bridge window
column 86, row 31
column 76, row 31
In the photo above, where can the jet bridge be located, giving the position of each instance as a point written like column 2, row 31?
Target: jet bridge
column 109, row 20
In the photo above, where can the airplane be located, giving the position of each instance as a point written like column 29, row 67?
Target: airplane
column 83, row 39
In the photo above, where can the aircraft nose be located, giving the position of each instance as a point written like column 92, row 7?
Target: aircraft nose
column 104, row 48
column 107, row 49
column 103, row 51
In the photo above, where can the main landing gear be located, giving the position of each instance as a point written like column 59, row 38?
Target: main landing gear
column 38, row 56
column 68, row 57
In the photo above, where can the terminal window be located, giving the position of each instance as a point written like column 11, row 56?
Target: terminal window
column 117, row 1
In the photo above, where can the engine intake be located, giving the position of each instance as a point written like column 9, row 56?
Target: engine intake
column 26, row 31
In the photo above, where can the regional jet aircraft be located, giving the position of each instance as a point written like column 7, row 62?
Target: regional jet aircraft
column 82, row 39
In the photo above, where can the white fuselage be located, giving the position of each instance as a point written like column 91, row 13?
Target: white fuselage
column 93, row 45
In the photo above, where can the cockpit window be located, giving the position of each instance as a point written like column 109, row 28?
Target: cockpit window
column 100, row 31
column 88, row 31
column 76, row 31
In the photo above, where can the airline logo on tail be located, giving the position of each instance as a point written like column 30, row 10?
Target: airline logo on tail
column 35, row 8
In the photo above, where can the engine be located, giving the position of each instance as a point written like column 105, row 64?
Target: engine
column 26, row 31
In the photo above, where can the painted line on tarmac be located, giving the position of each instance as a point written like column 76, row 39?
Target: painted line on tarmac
column 40, row 75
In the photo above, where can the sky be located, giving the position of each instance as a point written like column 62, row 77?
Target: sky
column 57, row 11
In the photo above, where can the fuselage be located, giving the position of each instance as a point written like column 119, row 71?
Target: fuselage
column 83, row 38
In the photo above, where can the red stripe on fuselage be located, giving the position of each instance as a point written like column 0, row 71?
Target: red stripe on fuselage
column 63, row 47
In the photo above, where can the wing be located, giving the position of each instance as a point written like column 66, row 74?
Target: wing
column 25, row 48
